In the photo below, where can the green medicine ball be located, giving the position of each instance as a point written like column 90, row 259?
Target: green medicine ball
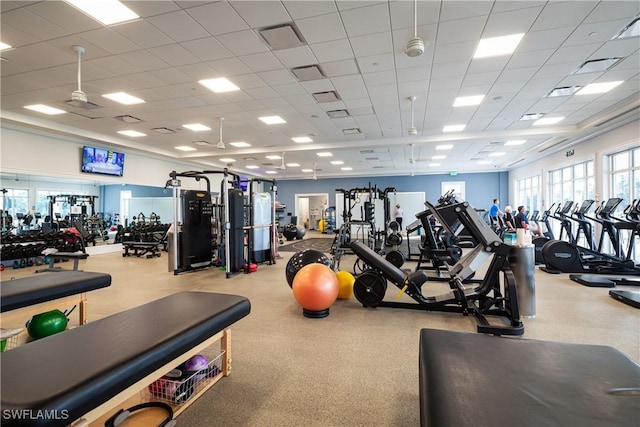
column 45, row 324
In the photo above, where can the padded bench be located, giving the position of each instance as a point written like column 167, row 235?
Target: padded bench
column 483, row 380
column 63, row 256
column 27, row 291
column 85, row 372
column 150, row 249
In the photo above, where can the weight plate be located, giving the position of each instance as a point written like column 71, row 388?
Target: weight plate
column 369, row 289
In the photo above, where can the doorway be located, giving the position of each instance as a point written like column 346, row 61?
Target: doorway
column 309, row 208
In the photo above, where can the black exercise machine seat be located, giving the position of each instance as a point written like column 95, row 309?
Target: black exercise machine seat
column 523, row 382
column 390, row 271
column 79, row 369
column 40, row 288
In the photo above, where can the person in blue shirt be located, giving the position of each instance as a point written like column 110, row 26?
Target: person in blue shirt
column 494, row 211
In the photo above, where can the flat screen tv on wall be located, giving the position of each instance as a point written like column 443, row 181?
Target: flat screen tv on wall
column 102, row 161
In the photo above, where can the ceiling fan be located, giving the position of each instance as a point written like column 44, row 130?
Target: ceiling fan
column 220, row 144
column 415, row 46
column 412, row 130
column 78, row 97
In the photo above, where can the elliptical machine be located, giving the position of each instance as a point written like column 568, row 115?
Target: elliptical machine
column 547, row 235
column 568, row 257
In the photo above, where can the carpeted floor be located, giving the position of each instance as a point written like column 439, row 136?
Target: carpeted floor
column 319, row 244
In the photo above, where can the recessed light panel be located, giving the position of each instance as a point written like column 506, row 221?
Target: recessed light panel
column 252, row 167
column 466, row 101
column 273, row 157
column 453, row 128
column 293, row 165
column 324, row 154
column 597, row 88
column 227, row 160
column 272, row 120
column 563, row 91
column 497, row 46
column 337, row 162
column 531, row 116
column 434, row 164
column 184, row 148
column 270, row 172
column 45, row 109
column 4, row 46
column 219, row 85
column 132, row 133
column 123, row 98
column 497, row 154
column 438, row 157
column 105, row 11
column 548, row 121
column 240, row 144
column 596, row 65
column 346, row 169
column 196, row 127
column 302, row 139
column 307, row 170
column 631, row 30
column 515, row 142
column 485, row 162
column 444, row 147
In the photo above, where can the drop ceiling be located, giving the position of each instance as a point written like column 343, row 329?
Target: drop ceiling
column 345, row 81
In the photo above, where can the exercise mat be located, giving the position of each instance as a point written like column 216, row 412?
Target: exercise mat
column 319, row 244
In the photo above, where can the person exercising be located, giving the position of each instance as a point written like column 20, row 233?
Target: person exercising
column 522, row 221
column 399, row 214
column 494, row 211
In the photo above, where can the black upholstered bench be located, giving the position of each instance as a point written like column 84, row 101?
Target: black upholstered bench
column 28, row 291
column 483, row 380
column 88, row 371
column 63, row 256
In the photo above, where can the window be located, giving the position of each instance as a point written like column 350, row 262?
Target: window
column 624, row 182
column 574, row 183
column 42, row 201
column 528, row 193
column 15, row 202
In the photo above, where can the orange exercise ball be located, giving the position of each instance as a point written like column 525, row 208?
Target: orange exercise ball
column 315, row 287
column 345, row 284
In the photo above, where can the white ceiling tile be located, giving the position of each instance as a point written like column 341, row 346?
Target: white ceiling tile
column 247, row 81
column 170, row 76
column 143, row 60
column 143, row 33
column 461, row 30
column 372, row 44
column 597, row 32
column 529, row 59
column 110, row 41
column 229, row 67
column 263, row 61
column 544, row 39
column 610, row 10
column 563, row 14
column 402, row 14
column 414, row 74
column 174, row 55
column 262, row 92
column 300, row 10
column 339, row 68
column 517, row 74
column 464, row 9
column 630, row 62
column 617, row 48
column 335, row 50
column 486, row 65
column 243, row 43
column 375, row 63
column 576, row 54
column 218, row 18
column 455, row 51
column 322, row 28
column 505, row 6
column 447, row 69
column 296, row 56
column 179, row 26
column 315, row 86
column 366, row 20
column 277, row 77
column 261, row 13
column 513, row 22
column 350, row 87
column 207, row 49
column 36, row 26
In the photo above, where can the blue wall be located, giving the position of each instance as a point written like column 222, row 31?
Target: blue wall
column 481, row 188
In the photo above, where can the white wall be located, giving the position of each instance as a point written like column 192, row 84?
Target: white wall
column 32, row 152
column 622, row 138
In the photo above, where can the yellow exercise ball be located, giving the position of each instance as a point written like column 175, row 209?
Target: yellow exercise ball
column 345, row 284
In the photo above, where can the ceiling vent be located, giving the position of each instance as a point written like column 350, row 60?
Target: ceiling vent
column 164, row 131
column 597, row 65
column 203, row 143
column 531, row 116
column 88, row 105
column 329, row 96
column 515, row 163
column 284, row 36
column 338, row 114
column 128, row 119
column 624, row 113
column 366, row 151
column 550, row 143
column 310, row 72
column 351, row 131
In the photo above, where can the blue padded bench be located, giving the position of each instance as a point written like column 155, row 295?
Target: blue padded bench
column 27, row 291
column 85, row 372
column 483, row 380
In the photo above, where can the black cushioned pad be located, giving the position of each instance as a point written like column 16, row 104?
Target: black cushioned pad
column 484, row 380
column 79, row 369
column 39, row 288
column 369, row 256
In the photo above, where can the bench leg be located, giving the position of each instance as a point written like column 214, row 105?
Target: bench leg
column 225, row 344
column 84, row 312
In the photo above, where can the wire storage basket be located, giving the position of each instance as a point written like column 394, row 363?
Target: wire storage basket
column 9, row 339
column 179, row 385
